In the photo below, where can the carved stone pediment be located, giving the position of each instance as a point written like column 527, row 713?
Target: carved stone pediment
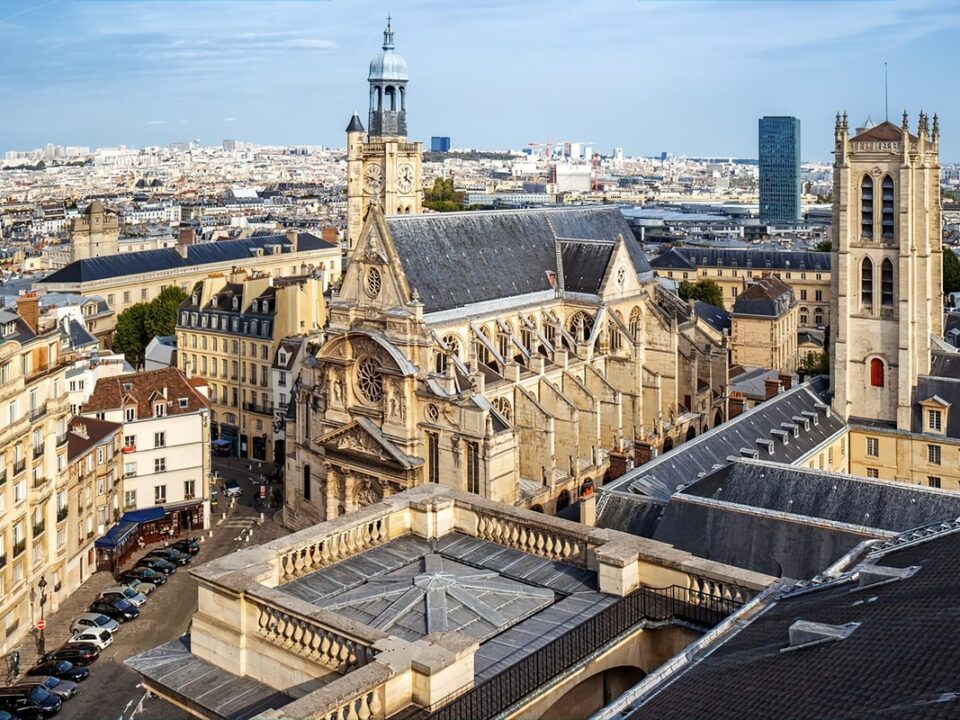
column 363, row 438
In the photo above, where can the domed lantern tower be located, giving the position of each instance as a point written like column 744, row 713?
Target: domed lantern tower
column 388, row 90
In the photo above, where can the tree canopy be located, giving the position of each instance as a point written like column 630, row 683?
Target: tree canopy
column 442, row 197
column 705, row 290
column 139, row 324
column 951, row 270
column 823, row 246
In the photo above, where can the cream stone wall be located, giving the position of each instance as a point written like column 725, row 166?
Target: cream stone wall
column 767, row 342
column 905, row 457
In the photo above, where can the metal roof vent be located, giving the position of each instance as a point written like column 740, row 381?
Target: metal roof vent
column 804, row 634
column 873, row 575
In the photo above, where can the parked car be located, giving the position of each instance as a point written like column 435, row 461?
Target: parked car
column 157, row 563
column 64, row 689
column 29, row 702
column 187, row 545
column 232, row 489
column 4, row 715
column 122, row 592
column 60, row 668
column 171, row 555
column 119, row 610
column 144, row 574
column 76, row 654
column 94, row 621
column 142, row 587
column 100, row 639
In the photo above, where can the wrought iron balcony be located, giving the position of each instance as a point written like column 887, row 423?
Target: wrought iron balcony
column 62, row 513
column 19, row 547
column 19, row 466
column 38, row 412
column 38, row 452
column 39, row 527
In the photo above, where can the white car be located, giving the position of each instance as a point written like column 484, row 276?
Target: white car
column 122, row 592
column 98, row 638
column 94, row 621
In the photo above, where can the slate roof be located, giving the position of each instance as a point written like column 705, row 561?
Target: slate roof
column 753, row 382
column 102, row 268
column 456, row 259
column 899, row 662
column 768, row 297
column 690, row 258
column 717, row 318
column 947, row 389
column 94, row 432
column 756, row 514
column 683, row 464
column 945, row 364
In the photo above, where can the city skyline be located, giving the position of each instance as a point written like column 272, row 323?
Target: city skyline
column 286, row 73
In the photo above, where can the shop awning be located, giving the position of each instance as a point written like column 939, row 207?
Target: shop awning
column 116, row 535
column 222, row 443
column 144, row 516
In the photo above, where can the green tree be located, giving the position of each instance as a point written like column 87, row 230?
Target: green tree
column 951, row 271
column 129, row 335
column 705, row 290
column 814, row 363
column 161, row 315
column 823, row 246
column 442, row 197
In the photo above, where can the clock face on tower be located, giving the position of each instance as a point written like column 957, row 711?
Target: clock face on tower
column 405, row 178
column 372, row 179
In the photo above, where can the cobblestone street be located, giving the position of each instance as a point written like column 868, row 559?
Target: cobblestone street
column 112, row 690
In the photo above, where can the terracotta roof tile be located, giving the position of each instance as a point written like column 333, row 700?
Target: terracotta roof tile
column 141, row 388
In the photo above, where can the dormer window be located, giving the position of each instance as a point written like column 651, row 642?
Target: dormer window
column 236, row 303
column 130, row 414
column 282, row 357
column 934, row 420
column 256, row 306
column 196, row 298
column 9, row 328
column 213, row 301
column 159, row 409
column 265, row 306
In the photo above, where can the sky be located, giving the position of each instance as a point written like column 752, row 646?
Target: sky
column 689, row 77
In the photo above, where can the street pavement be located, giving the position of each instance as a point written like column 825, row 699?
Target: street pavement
column 113, row 691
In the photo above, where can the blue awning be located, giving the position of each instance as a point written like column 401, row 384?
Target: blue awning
column 116, row 535
column 144, row 516
column 222, row 443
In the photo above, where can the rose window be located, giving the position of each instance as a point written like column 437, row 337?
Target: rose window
column 370, row 380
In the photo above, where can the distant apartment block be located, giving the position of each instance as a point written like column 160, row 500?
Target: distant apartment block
column 779, row 169
column 439, row 144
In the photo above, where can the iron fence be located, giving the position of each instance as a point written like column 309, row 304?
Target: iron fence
column 541, row 666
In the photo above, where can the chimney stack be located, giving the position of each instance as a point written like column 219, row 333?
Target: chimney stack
column 28, row 308
column 292, row 235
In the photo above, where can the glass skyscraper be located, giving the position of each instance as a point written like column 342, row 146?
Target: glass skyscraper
column 779, row 169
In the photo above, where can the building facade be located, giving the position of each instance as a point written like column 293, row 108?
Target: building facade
column 229, row 332
column 808, row 273
column 95, row 233
column 764, row 326
column 166, row 442
column 779, row 138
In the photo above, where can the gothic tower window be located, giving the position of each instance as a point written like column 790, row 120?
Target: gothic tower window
column 306, row 482
column 887, row 214
column 866, row 283
column 581, row 325
column 473, row 468
column 886, row 282
column 866, row 207
column 453, row 344
column 635, row 321
column 433, row 457
column 876, row 372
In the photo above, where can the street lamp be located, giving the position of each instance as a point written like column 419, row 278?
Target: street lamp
column 43, row 623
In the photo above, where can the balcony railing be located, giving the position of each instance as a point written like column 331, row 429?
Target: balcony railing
column 39, row 527
column 40, row 481
column 3, row 477
column 3, row 560
column 62, row 513
column 262, row 409
column 19, row 547
column 19, row 466
column 38, row 452
column 38, row 412
column 61, row 440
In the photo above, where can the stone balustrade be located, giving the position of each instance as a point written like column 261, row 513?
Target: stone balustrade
column 362, row 695
column 529, row 534
column 305, row 558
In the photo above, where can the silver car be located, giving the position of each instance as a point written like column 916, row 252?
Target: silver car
column 122, row 592
column 141, row 586
column 95, row 621
column 65, row 689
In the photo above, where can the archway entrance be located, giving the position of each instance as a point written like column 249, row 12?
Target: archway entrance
column 668, row 445
column 593, row 693
column 563, row 500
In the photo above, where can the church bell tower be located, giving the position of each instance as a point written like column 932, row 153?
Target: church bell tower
column 382, row 167
column 886, row 266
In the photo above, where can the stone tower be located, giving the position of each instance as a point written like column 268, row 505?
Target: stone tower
column 95, row 233
column 886, row 280
column 383, row 167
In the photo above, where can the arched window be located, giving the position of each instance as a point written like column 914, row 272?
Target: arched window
column 635, row 321
column 886, row 283
column 306, row 482
column 887, row 213
column 804, row 315
column 616, row 339
column 866, row 207
column 866, row 283
column 581, row 325
column 453, row 344
column 441, row 362
column 876, row 372
column 391, row 97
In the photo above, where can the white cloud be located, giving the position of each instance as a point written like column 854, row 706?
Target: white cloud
column 156, row 122
column 229, row 119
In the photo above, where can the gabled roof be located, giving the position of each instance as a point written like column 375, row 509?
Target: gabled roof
column 112, row 393
column 769, row 297
column 947, row 391
column 717, row 318
column 457, row 259
column 884, row 132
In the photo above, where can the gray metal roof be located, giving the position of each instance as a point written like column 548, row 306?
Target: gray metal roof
column 717, row 318
column 457, row 259
column 690, row 258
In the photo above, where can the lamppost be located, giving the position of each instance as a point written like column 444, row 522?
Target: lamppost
column 43, row 622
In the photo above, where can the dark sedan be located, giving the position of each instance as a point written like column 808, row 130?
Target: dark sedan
column 29, row 702
column 187, row 545
column 64, row 689
column 159, row 564
column 143, row 574
column 63, row 669
column 74, row 653
column 170, row 555
column 119, row 610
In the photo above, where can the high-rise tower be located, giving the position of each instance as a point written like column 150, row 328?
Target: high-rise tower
column 779, row 169
column 886, row 278
column 383, row 167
